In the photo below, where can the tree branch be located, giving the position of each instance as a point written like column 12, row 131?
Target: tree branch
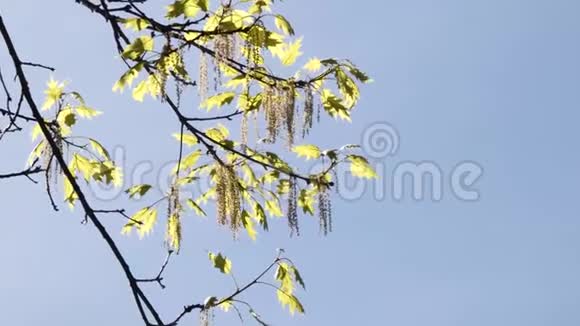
column 26, row 173
column 137, row 293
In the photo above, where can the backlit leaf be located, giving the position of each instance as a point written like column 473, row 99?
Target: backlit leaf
column 218, row 100
column 360, row 167
column 308, row 151
column 221, row 262
column 53, row 93
column 138, row 190
column 139, row 46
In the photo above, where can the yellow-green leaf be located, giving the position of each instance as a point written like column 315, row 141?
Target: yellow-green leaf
column 143, row 220
column 273, row 208
column 53, row 93
column 360, row 167
column 196, row 208
column 187, row 8
column 308, row 151
column 313, row 65
column 187, row 139
column 138, row 190
column 218, row 100
column 249, row 225
column 137, row 24
column 136, row 49
column 283, row 25
column 97, row 147
column 70, row 196
column 225, row 306
column 128, row 77
column 86, row 112
column 221, row 262
column 291, row 52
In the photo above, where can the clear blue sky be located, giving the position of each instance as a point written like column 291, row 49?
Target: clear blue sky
column 495, row 82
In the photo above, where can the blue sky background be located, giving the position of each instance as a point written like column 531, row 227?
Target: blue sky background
column 493, row 81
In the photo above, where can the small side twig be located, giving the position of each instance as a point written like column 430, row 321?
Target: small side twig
column 37, row 65
column 159, row 278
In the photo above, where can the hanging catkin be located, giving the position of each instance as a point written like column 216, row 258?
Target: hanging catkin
column 203, row 87
column 229, row 202
column 292, row 213
column 308, row 111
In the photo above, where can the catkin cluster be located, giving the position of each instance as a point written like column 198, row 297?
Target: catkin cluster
column 229, row 201
column 279, row 103
column 224, row 49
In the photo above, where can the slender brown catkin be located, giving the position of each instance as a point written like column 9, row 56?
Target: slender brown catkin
column 221, row 189
column 288, row 118
column 292, row 213
column 244, row 130
column 271, row 105
column 308, row 111
column 324, row 212
column 204, row 317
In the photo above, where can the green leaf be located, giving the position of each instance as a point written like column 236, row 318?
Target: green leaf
column 308, row 151
column 128, row 77
column 195, row 207
column 187, row 8
column 151, row 85
column 36, row 153
column 141, row 90
column 334, row 105
column 347, row 87
column 360, row 167
column 218, row 134
column 53, row 93
column 273, row 208
column 143, row 220
column 70, row 196
column 226, row 305
column 248, row 225
column 67, row 117
column 306, row 201
column 83, row 165
column 85, row 112
column 358, row 74
column 283, row 25
column 218, row 100
column 97, row 147
column 291, row 52
column 313, row 65
column 138, row 190
column 221, row 262
column 189, row 161
column 260, row 216
column 136, row 49
column 36, row 131
column 290, row 300
column 188, row 139
column 203, row 4
column 137, row 24
column 298, row 277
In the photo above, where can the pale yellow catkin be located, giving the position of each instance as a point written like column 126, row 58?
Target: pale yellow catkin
column 203, row 87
